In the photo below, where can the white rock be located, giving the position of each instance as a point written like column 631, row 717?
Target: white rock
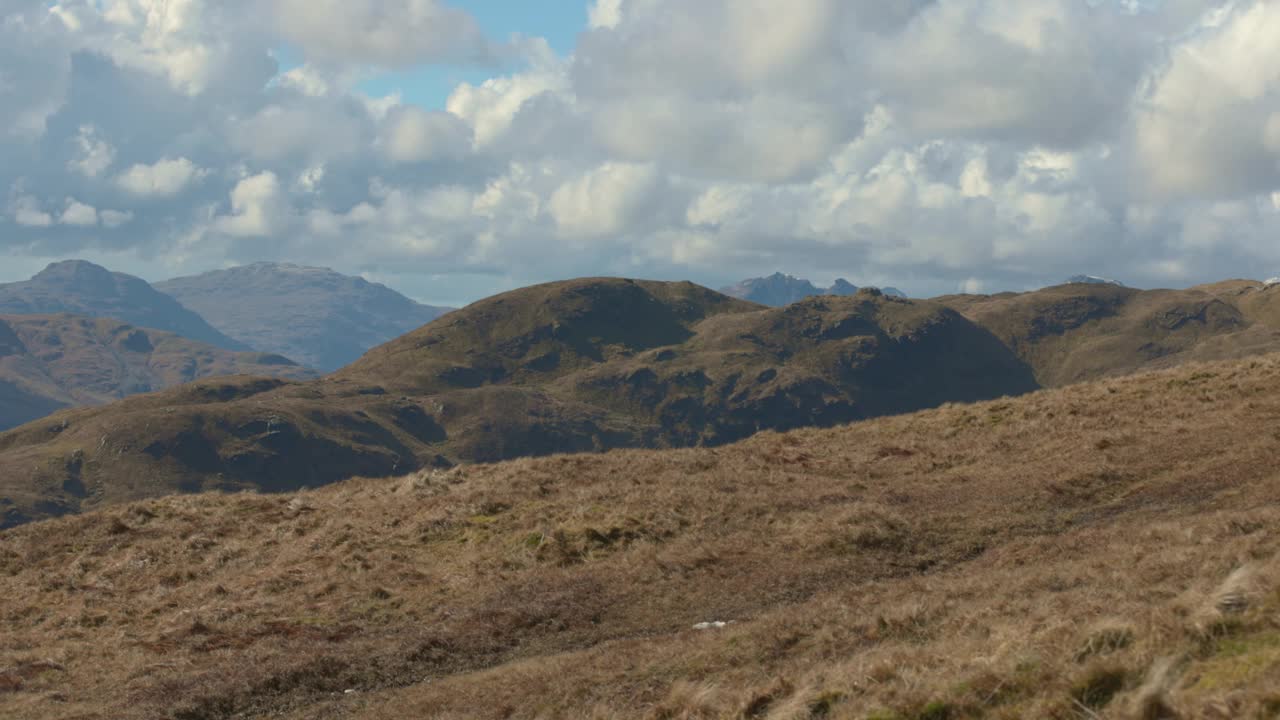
column 712, row 625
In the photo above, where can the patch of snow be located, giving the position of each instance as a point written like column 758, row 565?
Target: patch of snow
column 1093, row 280
column 712, row 625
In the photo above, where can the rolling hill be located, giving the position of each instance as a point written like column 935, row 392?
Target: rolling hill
column 49, row 362
column 1104, row 550
column 316, row 316
column 581, row 365
column 1078, row 332
column 82, row 288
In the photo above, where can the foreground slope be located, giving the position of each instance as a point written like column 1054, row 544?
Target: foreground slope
column 82, row 288
column 50, row 362
column 575, row 366
column 1084, row 331
column 316, row 316
column 1106, row 550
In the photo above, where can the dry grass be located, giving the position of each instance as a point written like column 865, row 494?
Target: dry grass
column 1104, row 550
column 1077, row 333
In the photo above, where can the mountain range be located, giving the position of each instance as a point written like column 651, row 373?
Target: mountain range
column 778, row 289
column 50, row 362
column 594, row 364
column 79, row 334
column 82, row 288
column 320, row 318
column 574, row 366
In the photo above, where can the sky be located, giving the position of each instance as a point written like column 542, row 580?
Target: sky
column 457, row 149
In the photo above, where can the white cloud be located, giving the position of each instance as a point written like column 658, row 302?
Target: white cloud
column 382, row 32
column 93, row 155
column 415, row 135
column 26, row 212
column 491, row 107
column 115, row 218
column 308, row 130
column 79, row 214
column 928, row 143
column 604, row 14
column 165, row 178
column 1208, row 127
column 256, row 207
column 306, row 79
column 604, row 201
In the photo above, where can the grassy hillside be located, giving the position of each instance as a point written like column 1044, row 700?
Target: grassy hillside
column 1078, row 332
column 1105, row 550
column 48, row 362
column 575, row 366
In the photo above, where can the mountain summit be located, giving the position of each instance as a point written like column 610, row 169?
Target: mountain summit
column 1092, row 280
column 316, row 316
column 779, row 289
column 82, row 288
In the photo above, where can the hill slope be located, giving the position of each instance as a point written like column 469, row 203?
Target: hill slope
column 316, row 316
column 49, row 362
column 567, row 367
column 1078, row 332
column 1100, row 551
column 82, row 288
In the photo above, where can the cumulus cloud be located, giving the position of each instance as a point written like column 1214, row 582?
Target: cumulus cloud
column 935, row 145
column 1210, row 125
column 392, row 33
column 93, row 155
column 604, row 201
column 256, row 207
column 79, row 214
column 164, row 178
column 115, row 218
column 415, row 135
column 26, row 211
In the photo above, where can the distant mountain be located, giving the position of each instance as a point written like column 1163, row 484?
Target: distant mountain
column 50, row 362
column 1092, row 280
column 316, row 316
column 82, row 288
column 778, row 290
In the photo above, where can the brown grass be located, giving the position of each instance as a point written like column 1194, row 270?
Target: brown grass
column 48, row 362
column 1104, row 550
